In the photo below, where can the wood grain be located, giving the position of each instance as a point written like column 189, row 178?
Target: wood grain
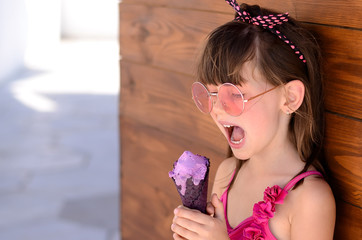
column 164, row 37
column 343, row 69
column 349, row 219
column 148, row 194
column 162, row 100
column 337, row 13
column 175, row 47
column 344, row 153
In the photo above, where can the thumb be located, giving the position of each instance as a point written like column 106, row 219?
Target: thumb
column 210, row 209
column 219, row 207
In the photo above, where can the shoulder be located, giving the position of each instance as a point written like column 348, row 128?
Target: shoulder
column 315, row 192
column 313, row 210
column 223, row 175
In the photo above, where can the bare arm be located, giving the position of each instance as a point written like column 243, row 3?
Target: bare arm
column 223, row 175
column 315, row 213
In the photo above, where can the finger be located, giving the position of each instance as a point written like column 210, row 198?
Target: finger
column 182, row 232
column 219, row 207
column 178, row 237
column 189, row 224
column 195, row 216
column 210, row 209
column 191, row 214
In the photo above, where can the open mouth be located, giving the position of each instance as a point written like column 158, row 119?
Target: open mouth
column 235, row 134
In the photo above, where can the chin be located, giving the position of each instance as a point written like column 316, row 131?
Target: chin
column 239, row 155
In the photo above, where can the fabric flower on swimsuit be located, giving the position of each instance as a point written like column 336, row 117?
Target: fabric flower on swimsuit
column 275, row 195
column 262, row 211
column 253, row 233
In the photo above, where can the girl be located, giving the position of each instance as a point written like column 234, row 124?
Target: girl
column 260, row 80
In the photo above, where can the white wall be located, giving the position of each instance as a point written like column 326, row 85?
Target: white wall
column 13, row 29
column 43, row 35
column 89, row 18
column 30, row 30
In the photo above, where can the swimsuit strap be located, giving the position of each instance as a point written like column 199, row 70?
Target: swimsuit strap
column 300, row 177
column 231, row 179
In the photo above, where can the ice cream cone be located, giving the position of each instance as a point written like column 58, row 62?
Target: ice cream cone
column 191, row 177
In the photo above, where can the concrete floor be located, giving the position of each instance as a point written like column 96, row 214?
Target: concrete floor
column 59, row 146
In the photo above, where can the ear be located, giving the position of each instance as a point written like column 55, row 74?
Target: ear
column 294, row 95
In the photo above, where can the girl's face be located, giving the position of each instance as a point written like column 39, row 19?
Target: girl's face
column 262, row 126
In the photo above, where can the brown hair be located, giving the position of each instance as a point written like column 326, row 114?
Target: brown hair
column 231, row 45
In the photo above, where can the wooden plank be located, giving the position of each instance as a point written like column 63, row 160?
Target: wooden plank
column 343, row 89
column 164, row 38
column 343, row 69
column 344, row 154
column 162, row 99
column 348, row 222
column 148, row 194
column 203, row 5
column 337, row 13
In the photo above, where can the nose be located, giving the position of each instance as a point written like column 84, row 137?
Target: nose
column 217, row 107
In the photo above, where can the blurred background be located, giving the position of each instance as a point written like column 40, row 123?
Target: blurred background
column 59, row 144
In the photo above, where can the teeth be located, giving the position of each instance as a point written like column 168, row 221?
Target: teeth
column 237, row 142
column 231, row 140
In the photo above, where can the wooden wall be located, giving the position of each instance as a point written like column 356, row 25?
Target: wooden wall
column 159, row 42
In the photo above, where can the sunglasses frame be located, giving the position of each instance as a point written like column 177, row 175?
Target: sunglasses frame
column 215, row 94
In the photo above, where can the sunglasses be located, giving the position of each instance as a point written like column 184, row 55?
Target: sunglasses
column 231, row 98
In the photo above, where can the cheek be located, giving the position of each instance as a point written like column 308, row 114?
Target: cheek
column 255, row 124
column 213, row 116
column 261, row 119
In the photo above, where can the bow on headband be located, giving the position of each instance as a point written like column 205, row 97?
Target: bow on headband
column 266, row 22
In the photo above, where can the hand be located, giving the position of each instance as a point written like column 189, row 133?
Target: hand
column 193, row 225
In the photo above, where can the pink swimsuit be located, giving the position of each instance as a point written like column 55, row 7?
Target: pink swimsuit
column 256, row 227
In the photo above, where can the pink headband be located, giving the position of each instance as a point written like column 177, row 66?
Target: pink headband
column 267, row 22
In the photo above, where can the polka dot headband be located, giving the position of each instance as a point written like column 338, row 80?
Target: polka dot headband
column 268, row 23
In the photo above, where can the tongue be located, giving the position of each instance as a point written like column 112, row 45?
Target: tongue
column 237, row 134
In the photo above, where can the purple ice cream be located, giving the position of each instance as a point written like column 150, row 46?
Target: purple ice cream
column 190, row 174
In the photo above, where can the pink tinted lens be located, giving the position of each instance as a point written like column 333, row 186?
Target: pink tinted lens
column 201, row 97
column 231, row 99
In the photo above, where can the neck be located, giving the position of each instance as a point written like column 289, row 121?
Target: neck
column 279, row 158
column 284, row 161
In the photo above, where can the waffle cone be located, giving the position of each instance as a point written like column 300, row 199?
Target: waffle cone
column 196, row 195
